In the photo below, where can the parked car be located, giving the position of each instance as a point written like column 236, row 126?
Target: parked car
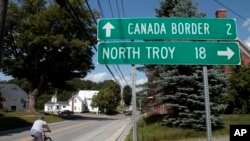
column 65, row 113
column 127, row 112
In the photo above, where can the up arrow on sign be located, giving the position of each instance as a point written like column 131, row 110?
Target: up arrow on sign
column 108, row 26
column 229, row 53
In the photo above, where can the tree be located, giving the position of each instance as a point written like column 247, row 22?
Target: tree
column 127, row 95
column 178, row 8
column 181, row 87
column 238, row 95
column 43, row 44
column 79, row 84
column 108, row 97
column 3, row 11
column 183, row 91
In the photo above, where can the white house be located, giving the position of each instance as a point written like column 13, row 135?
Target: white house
column 54, row 106
column 13, row 98
column 81, row 102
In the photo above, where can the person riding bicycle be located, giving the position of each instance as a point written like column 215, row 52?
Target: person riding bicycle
column 38, row 127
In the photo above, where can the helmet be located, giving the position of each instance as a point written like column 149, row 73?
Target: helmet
column 41, row 117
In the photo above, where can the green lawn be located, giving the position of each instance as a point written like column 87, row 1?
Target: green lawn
column 153, row 131
column 12, row 120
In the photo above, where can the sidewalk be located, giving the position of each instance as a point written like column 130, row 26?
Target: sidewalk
column 122, row 133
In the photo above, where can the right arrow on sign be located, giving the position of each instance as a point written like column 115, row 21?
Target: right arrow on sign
column 108, row 26
column 229, row 53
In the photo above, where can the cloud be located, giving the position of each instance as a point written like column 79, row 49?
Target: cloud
column 4, row 77
column 123, row 82
column 247, row 41
column 141, row 81
column 247, row 24
column 98, row 77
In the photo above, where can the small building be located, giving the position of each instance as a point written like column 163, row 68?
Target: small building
column 81, row 102
column 55, row 106
column 13, row 98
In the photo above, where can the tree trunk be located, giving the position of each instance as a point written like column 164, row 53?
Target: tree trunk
column 3, row 11
column 32, row 101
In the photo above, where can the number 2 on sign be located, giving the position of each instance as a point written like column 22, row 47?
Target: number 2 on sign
column 228, row 29
column 200, row 53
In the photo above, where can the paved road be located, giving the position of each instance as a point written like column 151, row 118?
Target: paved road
column 85, row 128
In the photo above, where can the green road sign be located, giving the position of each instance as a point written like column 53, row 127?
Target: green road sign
column 179, row 53
column 166, row 28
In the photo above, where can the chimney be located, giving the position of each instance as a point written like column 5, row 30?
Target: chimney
column 221, row 13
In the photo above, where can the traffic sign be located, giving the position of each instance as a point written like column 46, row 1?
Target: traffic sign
column 175, row 53
column 167, row 28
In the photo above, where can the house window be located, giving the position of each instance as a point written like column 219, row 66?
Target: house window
column 75, row 100
column 13, row 108
column 64, row 106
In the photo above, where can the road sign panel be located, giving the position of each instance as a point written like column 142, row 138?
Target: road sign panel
column 166, row 28
column 175, row 53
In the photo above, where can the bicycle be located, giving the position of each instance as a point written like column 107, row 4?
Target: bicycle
column 44, row 138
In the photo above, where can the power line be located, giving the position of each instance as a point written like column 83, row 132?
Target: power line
column 96, row 49
column 75, row 16
column 122, row 76
column 119, row 75
column 119, row 17
column 118, row 9
column 90, row 11
column 111, row 9
column 243, row 18
column 100, row 7
column 123, row 11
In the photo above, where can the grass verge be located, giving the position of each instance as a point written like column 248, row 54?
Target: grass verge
column 149, row 129
column 12, row 120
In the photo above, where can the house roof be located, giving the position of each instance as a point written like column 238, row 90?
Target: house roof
column 12, row 89
column 244, row 47
column 87, row 94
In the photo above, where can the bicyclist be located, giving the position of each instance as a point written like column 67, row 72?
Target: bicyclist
column 38, row 127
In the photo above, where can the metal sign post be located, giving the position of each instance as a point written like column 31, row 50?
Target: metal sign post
column 134, row 104
column 207, row 104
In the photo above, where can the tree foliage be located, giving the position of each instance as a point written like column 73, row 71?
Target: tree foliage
column 108, row 97
column 238, row 95
column 45, row 46
column 181, row 87
column 178, row 8
column 127, row 95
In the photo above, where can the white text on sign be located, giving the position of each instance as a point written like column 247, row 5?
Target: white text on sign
column 160, row 28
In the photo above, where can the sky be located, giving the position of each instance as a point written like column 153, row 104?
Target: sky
column 238, row 9
column 146, row 8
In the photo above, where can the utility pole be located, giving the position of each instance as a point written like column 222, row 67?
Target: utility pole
column 3, row 11
column 134, row 118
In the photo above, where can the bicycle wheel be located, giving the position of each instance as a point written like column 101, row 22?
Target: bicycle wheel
column 47, row 139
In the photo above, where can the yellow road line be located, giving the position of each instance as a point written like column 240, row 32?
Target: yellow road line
column 60, row 130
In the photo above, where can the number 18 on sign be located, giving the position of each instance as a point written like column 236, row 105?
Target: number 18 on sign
column 179, row 53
